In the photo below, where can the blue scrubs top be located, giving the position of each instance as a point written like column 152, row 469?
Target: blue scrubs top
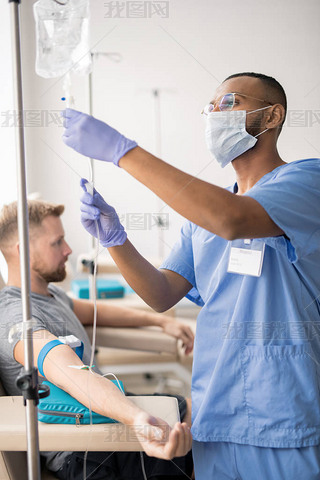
column 256, row 370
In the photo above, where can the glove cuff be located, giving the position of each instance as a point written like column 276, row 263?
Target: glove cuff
column 117, row 240
column 123, row 147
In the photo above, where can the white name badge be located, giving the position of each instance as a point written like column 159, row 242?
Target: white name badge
column 246, row 257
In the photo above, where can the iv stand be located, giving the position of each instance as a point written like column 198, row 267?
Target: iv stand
column 93, row 241
column 158, row 144
column 28, row 382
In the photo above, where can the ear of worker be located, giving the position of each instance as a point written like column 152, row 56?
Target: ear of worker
column 93, row 138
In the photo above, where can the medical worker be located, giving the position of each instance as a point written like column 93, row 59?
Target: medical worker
column 250, row 256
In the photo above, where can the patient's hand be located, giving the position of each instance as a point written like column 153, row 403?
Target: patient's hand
column 188, row 415
column 159, row 440
column 180, row 331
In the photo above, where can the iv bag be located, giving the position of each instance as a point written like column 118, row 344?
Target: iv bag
column 62, row 28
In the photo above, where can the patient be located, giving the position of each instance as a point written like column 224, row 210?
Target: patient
column 55, row 314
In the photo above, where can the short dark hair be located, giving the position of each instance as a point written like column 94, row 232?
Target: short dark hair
column 275, row 91
column 37, row 209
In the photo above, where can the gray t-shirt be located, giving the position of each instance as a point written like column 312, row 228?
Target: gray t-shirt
column 55, row 314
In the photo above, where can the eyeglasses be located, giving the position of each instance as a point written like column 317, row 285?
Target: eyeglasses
column 227, row 102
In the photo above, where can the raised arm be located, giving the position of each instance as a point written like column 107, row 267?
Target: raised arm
column 221, row 212
column 211, row 207
column 161, row 289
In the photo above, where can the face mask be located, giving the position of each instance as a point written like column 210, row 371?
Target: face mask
column 226, row 135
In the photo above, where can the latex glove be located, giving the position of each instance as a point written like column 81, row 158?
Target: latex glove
column 93, row 138
column 95, row 209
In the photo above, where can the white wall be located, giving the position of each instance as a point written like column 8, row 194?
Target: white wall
column 186, row 56
column 8, row 190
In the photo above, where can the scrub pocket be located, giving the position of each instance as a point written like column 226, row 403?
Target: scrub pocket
column 281, row 386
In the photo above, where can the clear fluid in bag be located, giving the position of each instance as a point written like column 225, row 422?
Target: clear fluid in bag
column 62, row 35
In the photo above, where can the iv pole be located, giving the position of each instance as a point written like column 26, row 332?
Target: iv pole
column 158, row 143
column 28, row 382
column 93, row 241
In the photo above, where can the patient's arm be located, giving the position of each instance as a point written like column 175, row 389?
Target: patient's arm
column 86, row 387
column 99, row 393
column 109, row 315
